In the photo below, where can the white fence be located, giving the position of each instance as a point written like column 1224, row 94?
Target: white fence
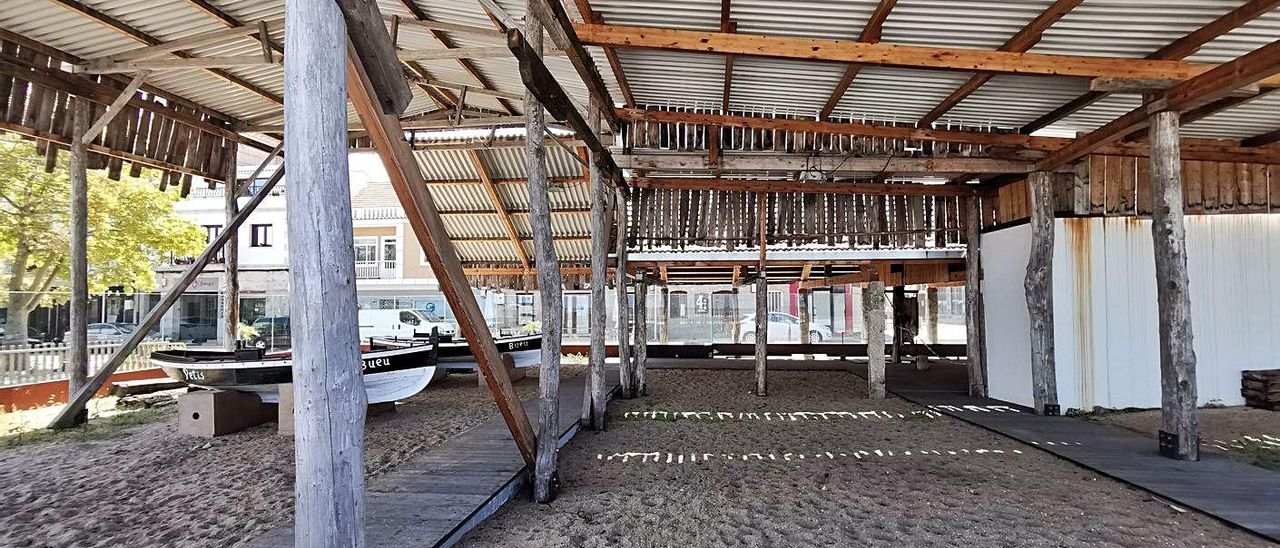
column 24, row 364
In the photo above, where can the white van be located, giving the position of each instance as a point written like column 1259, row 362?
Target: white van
column 403, row 323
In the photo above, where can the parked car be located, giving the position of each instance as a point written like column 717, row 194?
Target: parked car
column 273, row 332
column 783, row 328
column 197, row 331
column 105, row 333
column 403, row 323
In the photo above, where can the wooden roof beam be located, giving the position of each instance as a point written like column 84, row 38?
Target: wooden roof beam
column 148, row 40
column 1264, row 139
column 893, row 55
column 498, row 207
column 726, row 26
column 1022, row 41
column 610, row 54
column 757, row 185
column 1207, row 87
column 871, row 32
column 1178, row 49
column 467, row 66
column 561, row 30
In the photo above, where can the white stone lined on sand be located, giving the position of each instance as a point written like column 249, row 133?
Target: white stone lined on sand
column 779, row 416
column 667, row 457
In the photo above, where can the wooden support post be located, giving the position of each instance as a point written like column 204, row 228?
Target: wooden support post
column 805, row 337
column 931, row 314
column 1039, row 294
column 737, row 316
column 975, row 326
column 329, row 397
column 762, row 332
column 664, row 315
column 231, row 268
column 898, row 303
column 545, row 477
column 1179, row 435
column 599, row 275
column 387, row 135
column 642, row 333
column 625, row 367
column 873, row 318
column 78, row 351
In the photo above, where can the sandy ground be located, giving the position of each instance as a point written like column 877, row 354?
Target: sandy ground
column 1017, row 497
column 147, row 486
column 1245, row 433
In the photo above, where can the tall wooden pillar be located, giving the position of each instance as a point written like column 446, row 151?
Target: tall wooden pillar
column 898, row 304
column 596, row 406
column 975, row 327
column 1039, row 294
column 803, row 295
column 664, row 315
column 625, row 366
column 1179, row 435
column 873, row 318
column 762, row 332
column 931, row 313
column 231, row 268
column 329, row 397
column 549, row 284
column 78, row 352
column 642, row 333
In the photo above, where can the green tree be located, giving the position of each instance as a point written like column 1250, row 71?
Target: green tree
column 131, row 226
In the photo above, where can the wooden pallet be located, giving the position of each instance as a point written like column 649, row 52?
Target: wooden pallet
column 1261, row 388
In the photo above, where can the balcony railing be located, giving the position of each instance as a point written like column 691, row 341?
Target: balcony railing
column 377, row 270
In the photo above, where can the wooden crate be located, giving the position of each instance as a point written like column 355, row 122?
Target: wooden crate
column 1261, row 388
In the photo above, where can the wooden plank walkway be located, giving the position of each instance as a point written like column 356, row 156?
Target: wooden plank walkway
column 1242, row 495
column 435, row 498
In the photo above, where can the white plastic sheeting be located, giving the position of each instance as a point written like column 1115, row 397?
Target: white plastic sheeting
column 1107, row 339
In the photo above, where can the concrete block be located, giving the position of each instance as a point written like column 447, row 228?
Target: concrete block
column 210, row 413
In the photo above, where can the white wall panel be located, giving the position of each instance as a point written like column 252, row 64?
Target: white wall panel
column 1004, row 254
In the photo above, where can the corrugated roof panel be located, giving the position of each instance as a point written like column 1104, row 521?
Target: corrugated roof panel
column 562, row 224
column 561, row 196
column 1241, row 40
column 456, row 197
column 512, row 162
column 1252, row 118
column 474, row 226
column 786, row 86
column 946, row 23
column 895, row 94
column 1128, row 28
column 689, row 15
column 656, row 80
column 1011, row 101
column 487, row 251
column 842, row 20
column 446, row 165
column 1100, row 113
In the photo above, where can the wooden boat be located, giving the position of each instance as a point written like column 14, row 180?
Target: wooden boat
column 525, row 350
column 391, row 372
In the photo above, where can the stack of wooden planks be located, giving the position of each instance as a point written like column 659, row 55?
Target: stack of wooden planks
column 1261, row 388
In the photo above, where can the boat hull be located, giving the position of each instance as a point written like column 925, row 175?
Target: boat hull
column 388, row 375
column 526, row 351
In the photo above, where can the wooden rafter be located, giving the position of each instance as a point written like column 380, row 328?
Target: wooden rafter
column 895, row 55
column 467, row 66
column 561, row 30
column 726, row 26
column 1177, row 49
column 871, row 32
column 146, row 39
column 1022, row 41
column 610, row 54
column 762, row 186
column 1222, row 80
column 499, row 207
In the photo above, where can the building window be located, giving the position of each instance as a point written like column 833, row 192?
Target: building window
column 211, row 233
column 261, row 236
column 678, row 305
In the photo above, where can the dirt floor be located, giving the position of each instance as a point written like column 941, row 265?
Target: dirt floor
column 1244, row 433
column 898, row 477
column 144, row 485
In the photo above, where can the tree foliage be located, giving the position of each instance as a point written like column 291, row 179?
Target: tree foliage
column 131, row 224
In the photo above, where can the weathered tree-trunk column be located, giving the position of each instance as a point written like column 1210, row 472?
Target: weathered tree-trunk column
column 544, row 477
column 803, row 305
column 626, row 371
column 1180, row 434
column 931, row 314
column 873, row 318
column 975, row 327
column 898, row 303
column 664, row 315
column 596, row 406
column 231, row 268
column 1039, row 293
column 329, row 397
column 642, row 332
column 78, row 346
column 762, row 333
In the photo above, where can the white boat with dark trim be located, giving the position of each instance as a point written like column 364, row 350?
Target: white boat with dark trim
column 525, row 350
column 391, row 372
